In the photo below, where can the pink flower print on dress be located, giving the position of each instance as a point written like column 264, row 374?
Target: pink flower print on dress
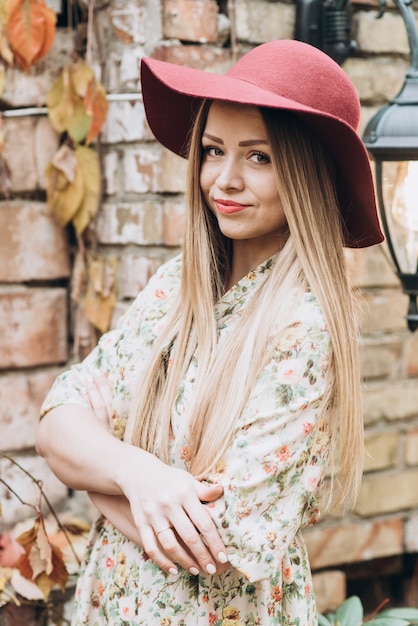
column 290, row 371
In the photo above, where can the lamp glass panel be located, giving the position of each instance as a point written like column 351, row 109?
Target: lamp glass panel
column 400, row 194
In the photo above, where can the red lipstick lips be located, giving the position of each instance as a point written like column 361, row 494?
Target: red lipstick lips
column 227, row 206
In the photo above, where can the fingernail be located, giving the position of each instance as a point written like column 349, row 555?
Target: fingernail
column 194, row 571
column 173, row 571
column 222, row 558
column 211, row 569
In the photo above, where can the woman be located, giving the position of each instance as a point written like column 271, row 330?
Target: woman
column 233, row 385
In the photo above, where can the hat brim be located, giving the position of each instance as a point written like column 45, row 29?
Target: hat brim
column 172, row 95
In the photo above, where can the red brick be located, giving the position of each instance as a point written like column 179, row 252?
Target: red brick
column 200, row 57
column 348, row 543
column 34, row 327
column 190, row 20
column 21, row 396
column 32, row 244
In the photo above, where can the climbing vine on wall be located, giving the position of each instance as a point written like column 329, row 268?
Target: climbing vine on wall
column 32, row 563
column 77, row 108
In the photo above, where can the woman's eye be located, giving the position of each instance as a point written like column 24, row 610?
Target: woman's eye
column 260, row 157
column 212, row 151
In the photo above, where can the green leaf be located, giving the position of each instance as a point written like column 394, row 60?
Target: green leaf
column 387, row 621
column 403, row 613
column 350, row 612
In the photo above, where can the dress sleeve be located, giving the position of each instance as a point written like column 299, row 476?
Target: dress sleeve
column 120, row 349
column 274, row 464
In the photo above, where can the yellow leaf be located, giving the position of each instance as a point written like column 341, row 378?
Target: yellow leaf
column 81, row 77
column 64, row 196
column 101, row 292
column 4, row 12
column 66, row 109
column 88, row 165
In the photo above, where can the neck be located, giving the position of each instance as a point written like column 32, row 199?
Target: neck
column 246, row 256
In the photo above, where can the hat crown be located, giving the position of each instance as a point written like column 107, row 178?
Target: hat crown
column 302, row 73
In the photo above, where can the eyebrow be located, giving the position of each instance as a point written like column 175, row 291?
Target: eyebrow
column 248, row 142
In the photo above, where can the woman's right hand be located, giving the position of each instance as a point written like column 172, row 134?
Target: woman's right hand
column 166, row 504
column 174, row 525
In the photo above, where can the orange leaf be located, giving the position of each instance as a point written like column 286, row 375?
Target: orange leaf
column 97, row 106
column 58, row 575
column 42, row 562
column 30, row 30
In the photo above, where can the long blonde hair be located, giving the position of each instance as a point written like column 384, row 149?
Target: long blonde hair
column 312, row 256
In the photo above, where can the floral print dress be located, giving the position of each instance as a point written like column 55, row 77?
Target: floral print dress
column 269, row 473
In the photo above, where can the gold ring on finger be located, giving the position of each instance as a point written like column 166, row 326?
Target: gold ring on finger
column 158, row 532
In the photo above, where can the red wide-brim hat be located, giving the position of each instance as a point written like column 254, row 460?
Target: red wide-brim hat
column 287, row 75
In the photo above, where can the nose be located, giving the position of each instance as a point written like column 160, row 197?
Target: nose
column 230, row 174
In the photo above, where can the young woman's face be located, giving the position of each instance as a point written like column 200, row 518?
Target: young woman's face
column 237, row 178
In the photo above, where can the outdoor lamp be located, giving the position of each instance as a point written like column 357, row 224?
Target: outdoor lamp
column 325, row 24
column 391, row 138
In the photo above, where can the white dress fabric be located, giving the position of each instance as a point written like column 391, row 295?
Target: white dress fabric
column 270, row 473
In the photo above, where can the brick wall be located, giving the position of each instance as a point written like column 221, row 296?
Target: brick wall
column 140, row 221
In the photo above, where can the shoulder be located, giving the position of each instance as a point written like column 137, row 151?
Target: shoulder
column 305, row 339
column 307, row 323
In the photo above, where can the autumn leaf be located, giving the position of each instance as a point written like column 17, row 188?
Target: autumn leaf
column 77, row 103
column 64, row 185
column 89, row 166
column 97, row 106
column 101, row 291
column 81, row 77
column 66, row 109
column 58, row 576
column 30, row 30
column 41, row 562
